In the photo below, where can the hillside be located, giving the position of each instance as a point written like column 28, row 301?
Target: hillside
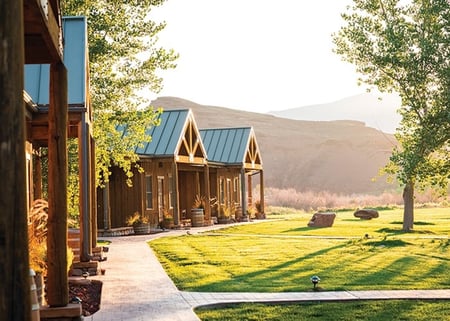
column 335, row 156
column 368, row 108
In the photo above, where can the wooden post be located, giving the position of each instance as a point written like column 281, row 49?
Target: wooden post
column 176, row 194
column 93, row 198
column 57, row 281
column 261, row 190
column 249, row 191
column 85, row 218
column 14, row 271
column 244, row 204
column 207, row 194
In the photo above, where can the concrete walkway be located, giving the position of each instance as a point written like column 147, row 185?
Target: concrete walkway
column 136, row 287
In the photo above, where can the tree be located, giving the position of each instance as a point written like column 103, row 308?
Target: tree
column 124, row 62
column 404, row 47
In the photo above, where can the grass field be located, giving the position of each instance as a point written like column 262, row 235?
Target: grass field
column 281, row 254
column 407, row 310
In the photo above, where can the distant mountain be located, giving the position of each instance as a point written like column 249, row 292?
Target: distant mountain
column 335, row 156
column 368, row 108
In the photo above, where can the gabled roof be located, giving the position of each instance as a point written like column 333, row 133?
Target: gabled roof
column 177, row 136
column 232, row 146
column 37, row 77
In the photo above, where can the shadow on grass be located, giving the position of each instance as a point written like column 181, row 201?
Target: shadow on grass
column 393, row 231
column 266, row 280
column 415, row 223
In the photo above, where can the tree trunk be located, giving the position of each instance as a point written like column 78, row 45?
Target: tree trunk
column 408, row 210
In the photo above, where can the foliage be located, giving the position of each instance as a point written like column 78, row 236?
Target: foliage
column 199, row 201
column 404, row 47
column 37, row 235
column 124, row 61
column 281, row 255
column 363, row 310
column 137, row 219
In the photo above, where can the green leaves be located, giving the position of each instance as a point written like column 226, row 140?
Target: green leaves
column 403, row 46
column 124, row 62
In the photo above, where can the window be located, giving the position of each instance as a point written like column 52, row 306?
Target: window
column 149, row 191
column 236, row 190
column 221, row 191
column 171, row 191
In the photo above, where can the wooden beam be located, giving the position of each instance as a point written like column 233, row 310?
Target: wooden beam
column 14, row 272
column 57, row 280
column 85, row 215
column 261, row 190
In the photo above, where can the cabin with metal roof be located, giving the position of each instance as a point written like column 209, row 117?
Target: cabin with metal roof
column 175, row 170
column 233, row 158
column 32, row 34
column 79, row 123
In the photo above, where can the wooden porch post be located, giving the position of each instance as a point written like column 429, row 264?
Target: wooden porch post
column 207, row 194
column 261, row 190
column 14, row 271
column 106, row 208
column 93, row 198
column 243, row 193
column 57, row 282
column 176, row 205
column 85, row 218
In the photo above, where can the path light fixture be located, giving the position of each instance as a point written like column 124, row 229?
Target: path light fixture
column 85, row 275
column 315, row 279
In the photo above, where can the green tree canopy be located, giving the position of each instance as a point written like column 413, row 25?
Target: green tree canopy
column 404, row 46
column 124, row 62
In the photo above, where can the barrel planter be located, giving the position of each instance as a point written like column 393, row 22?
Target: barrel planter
column 197, row 217
column 143, row 228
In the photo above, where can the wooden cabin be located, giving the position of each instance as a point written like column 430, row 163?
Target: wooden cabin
column 175, row 170
column 233, row 159
column 31, row 33
column 79, row 123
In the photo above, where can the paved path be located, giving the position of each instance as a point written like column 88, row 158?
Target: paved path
column 136, row 287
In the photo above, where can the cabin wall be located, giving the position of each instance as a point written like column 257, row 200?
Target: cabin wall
column 225, row 184
column 160, row 197
column 124, row 200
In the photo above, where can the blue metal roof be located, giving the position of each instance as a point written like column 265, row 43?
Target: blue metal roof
column 37, row 77
column 166, row 136
column 226, row 145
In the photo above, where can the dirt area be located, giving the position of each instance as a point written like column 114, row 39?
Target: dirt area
column 89, row 291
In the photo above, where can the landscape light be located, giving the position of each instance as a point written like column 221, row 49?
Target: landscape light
column 315, row 279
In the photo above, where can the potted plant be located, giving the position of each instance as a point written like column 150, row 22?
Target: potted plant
column 225, row 212
column 197, row 211
column 139, row 222
column 167, row 221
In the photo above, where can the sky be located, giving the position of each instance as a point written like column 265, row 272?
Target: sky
column 255, row 55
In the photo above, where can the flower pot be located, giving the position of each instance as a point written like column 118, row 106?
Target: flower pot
column 143, row 228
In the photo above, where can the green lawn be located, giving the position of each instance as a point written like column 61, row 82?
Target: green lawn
column 281, row 255
column 407, row 310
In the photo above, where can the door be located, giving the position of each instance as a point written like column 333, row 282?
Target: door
column 161, row 197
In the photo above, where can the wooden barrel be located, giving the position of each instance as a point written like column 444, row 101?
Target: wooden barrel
column 197, row 217
column 34, row 299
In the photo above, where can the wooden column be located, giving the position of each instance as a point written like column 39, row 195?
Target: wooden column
column 176, row 194
column 57, row 281
column 249, row 190
column 14, row 268
column 244, row 205
column 85, row 217
column 93, row 198
column 207, row 194
column 106, row 208
column 261, row 190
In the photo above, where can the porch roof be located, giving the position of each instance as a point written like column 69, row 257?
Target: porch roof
column 226, row 145
column 37, row 77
